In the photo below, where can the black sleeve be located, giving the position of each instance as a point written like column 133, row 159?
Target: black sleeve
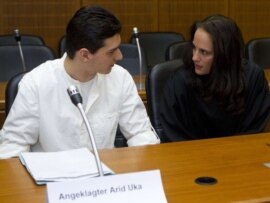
column 174, row 117
column 257, row 101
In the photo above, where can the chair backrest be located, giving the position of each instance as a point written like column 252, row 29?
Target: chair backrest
column 176, row 50
column 155, row 45
column 155, row 83
column 131, row 60
column 258, row 51
column 62, row 46
column 120, row 140
column 11, row 90
column 11, row 62
column 25, row 40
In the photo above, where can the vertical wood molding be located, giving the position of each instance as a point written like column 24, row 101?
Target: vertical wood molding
column 253, row 17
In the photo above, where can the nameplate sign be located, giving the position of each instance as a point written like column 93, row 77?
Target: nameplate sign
column 143, row 187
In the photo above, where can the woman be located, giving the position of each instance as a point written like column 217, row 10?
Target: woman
column 217, row 93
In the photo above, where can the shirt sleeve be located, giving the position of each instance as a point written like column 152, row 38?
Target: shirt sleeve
column 134, row 121
column 20, row 129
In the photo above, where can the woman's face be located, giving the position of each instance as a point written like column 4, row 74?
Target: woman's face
column 203, row 52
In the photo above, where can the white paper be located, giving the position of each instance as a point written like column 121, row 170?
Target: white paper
column 61, row 166
column 142, row 187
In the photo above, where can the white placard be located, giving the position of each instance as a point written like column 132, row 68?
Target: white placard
column 143, row 187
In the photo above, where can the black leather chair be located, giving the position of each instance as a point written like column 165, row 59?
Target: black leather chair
column 131, row 60
column 258, row 51
column 176, row 50
column 25, row 40
column 155, row 83
column 11, row 90
column 155, row 44
column 62, row 46
column 120, row 140
column 11, row 62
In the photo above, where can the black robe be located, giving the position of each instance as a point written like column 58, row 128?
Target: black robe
column 186, row 116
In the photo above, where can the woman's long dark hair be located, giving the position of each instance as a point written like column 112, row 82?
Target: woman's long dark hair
column 226, row 82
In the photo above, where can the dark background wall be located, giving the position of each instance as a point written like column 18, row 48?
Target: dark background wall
column 49, row 18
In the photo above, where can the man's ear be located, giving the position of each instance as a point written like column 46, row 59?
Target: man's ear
column 85, row 54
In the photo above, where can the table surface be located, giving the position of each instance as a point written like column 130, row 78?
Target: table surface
column 236, row 162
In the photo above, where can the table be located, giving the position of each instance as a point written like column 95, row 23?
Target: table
column 236, row 162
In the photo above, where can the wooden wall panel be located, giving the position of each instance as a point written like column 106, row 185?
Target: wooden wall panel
column 47, row 18
column 140, row 13
column 253, row 17
column 178, row 16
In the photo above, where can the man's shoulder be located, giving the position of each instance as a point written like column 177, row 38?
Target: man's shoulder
column 44, row 76
column 119, row 69
column 45, row 70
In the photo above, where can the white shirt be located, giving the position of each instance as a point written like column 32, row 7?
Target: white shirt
column 43, row 118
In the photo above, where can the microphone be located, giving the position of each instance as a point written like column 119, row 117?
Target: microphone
column 136, row 35
column 18, row 39
column 76, row 99
column 17, row 35
column 135, row 32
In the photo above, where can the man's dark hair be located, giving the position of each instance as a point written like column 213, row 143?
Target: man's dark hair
column 88, row 28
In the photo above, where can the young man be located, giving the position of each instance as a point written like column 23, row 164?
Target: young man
column 43, row 117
